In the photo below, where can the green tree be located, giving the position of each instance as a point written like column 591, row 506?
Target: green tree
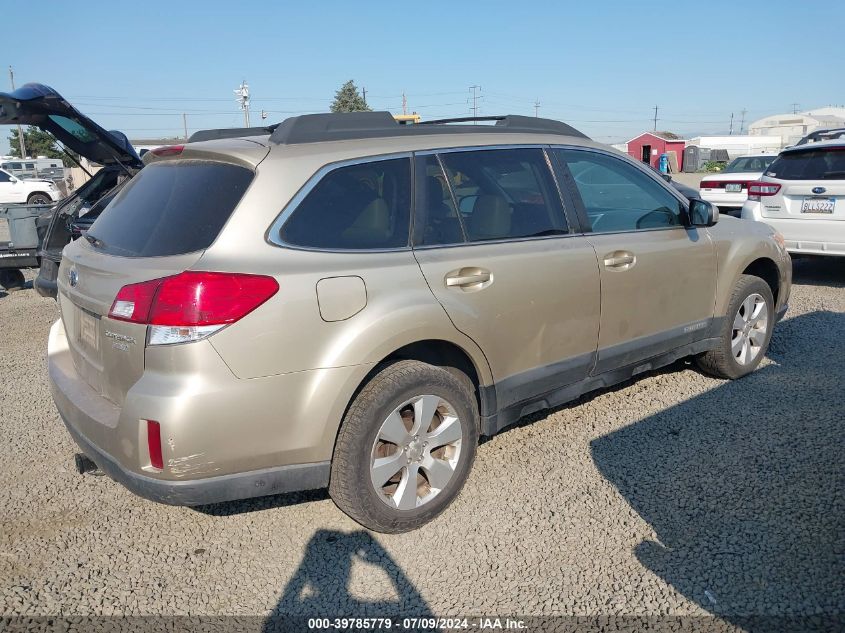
column 38, row 143
column 348, row 99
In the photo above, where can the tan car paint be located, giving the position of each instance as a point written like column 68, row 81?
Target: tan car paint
column 279, row 380
column 541, row 306
column 671, row 283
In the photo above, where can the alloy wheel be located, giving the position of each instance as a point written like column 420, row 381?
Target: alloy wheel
column 416, row 452
column 750, row 328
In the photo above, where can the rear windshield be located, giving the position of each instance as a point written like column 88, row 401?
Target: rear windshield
column 819, row 164
column 171, row 208
column 749, row 163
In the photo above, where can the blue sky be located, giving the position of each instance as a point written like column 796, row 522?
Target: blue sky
column 601, row 66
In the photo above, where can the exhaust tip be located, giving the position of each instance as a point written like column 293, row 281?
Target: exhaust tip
column 85, row 464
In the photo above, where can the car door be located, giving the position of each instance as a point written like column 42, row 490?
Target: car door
column 10, row 189
column 495, row 247
column 658, row 276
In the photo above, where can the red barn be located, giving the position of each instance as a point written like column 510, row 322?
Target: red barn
column 648, row 147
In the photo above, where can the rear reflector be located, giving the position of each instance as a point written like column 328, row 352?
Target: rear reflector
column 191, row 305
column 154, row 444
column 756, row 190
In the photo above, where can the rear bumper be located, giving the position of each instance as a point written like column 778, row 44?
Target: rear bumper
column 45, row 282
column 725, row 200
column 223, row 438
column 802, row 235
column 268, row 481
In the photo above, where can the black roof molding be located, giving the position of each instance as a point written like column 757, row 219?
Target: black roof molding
column 314, row 128
column 232, row 132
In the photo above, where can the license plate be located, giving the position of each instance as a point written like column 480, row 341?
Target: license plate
column 733, row 187
column 88, row 330
column 818, row 205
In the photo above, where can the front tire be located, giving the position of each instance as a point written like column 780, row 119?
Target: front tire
column 405, row 447
column 745, row 333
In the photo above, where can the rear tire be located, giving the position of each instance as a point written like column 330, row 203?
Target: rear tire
column 405, row 447
column 746, row 331
column 39, row 198
column 12, row 279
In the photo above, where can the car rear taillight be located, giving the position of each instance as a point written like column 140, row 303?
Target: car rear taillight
column 168, row 150
column 191, row 305
column 710, row 184
column 757, row 190
column 154, row 444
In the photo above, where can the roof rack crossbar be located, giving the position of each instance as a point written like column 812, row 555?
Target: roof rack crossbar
column 314, row 128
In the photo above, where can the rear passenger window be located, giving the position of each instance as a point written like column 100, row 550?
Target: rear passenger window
column 363, row 206
column 504, row 194
column 618, row 196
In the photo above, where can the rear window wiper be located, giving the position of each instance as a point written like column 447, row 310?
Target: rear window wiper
column 96, row 243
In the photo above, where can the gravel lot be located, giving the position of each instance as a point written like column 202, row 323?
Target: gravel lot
column 674, row 494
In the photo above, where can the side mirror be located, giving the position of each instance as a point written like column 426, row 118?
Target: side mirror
column 702, row 213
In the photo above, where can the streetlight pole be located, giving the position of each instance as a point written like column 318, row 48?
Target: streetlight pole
column 21, row 142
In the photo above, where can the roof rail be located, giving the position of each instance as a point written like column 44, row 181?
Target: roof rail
column 313, row 128
column 233, row 132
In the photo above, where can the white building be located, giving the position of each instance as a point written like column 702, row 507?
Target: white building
column 740, row 144
column 792, row 127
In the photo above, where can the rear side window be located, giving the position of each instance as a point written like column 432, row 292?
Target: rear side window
column 820, row 164
column 171, row 208
column 504, row 194
column 357, row 207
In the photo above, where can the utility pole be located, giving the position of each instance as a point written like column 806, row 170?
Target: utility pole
column 475, row 90
column 21, row 142
column 185, row 124
column 742, row 121
column 655, row 118
column 242, row 98
column 731, row 131
column 404, row 104
column 536, row 107
column 795, row 107
column 364, row 90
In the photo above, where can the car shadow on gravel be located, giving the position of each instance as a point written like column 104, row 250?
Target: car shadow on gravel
column 258, row 504
column 323, row 585
column 819, row 271
column 744, row 485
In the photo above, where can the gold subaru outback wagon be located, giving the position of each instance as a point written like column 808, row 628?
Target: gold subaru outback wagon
column 341, row 301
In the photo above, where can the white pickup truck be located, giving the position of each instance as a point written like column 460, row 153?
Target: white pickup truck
column 15, row 190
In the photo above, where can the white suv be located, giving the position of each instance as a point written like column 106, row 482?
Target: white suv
column 802, row 195
column 14, row 190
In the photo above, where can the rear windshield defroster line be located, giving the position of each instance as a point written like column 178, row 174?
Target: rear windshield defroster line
column 171, row 208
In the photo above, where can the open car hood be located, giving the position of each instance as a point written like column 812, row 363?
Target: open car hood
column 43, row 107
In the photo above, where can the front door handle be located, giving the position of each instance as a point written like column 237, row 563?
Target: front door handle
column 619, row 260
column 468, row 277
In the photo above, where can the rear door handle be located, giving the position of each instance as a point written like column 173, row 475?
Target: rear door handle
column 467, row 277
column 619, row 260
